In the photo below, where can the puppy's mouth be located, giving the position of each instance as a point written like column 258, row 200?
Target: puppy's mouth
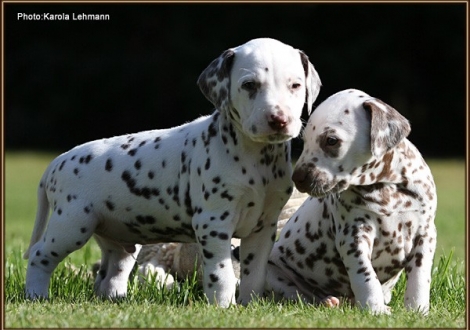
column 279, row 137
column 273, row 138
column 272, row 132
column 319, row 190
column 315, row 184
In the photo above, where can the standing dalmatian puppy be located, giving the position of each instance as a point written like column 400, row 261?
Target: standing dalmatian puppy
column 221, row 176
column 371, row 213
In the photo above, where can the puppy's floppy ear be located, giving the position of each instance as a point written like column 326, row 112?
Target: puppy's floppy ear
column 388, row 127
column 312, row 80
column 214, row 81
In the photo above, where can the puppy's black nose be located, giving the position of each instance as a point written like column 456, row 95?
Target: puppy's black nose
column 300, row 178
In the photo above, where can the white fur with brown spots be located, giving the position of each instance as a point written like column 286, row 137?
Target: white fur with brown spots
column 371, row 214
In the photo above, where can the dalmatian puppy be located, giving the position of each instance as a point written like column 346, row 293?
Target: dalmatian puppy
column 370, row 215
column 220, row 176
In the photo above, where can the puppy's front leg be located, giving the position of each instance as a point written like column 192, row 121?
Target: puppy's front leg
column 214, row 241
column 418, row 272
column 356, row 255
column 254, row 253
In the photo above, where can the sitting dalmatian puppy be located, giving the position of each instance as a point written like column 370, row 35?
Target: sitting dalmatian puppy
column 220, row 176
column 370, row 214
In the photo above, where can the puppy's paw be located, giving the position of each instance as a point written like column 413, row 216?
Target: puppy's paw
column 330, row 301
column 381, row 310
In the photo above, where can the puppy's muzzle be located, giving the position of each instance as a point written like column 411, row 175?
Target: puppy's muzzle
column 302, row 177
column 278, row 122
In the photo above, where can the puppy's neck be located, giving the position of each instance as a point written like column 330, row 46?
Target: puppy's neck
column 389, row 169
column 398, row 175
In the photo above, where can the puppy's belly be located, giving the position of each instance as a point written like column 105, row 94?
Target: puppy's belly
column 148, row 231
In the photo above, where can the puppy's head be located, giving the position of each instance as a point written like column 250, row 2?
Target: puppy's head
column 262, row 86
column 345, row 134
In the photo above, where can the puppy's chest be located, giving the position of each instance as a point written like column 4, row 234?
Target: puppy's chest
column 261, row 183
column 389, row 238
column 382, row 199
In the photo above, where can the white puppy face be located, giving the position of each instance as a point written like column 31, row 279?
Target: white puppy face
column 263, row 86
column 345, row 133
column 268, row 90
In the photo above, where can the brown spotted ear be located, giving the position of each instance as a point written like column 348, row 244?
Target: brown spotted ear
column 214, row 81
column 312, row 80
column 388, row 127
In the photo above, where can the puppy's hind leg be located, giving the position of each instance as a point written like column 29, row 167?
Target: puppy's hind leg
column 117, row 262
column 65, row 234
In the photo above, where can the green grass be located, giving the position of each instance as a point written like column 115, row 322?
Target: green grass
column 449, row 176
column 73, row 304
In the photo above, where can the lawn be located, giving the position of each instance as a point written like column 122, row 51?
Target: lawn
column 74, row 305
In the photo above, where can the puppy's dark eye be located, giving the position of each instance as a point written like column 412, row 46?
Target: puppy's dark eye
column 296, row 86
column 249, row 86
column 331, row 141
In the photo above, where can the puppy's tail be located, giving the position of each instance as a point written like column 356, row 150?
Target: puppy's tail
column 41, row 214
